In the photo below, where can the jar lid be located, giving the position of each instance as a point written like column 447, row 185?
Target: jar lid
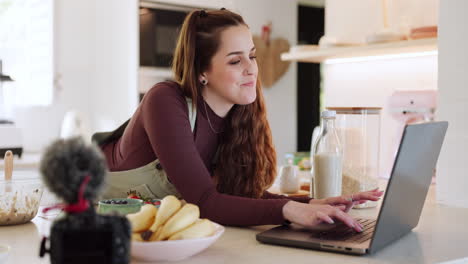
column 356, row 110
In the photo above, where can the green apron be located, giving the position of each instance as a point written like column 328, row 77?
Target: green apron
column 149, row 180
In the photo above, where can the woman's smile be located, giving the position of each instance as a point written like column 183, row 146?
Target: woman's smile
column 249, row 84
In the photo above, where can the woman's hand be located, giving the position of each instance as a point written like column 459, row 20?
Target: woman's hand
column 310, row 215
column 348, row 201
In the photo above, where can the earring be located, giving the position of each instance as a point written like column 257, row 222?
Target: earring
column 204, row 82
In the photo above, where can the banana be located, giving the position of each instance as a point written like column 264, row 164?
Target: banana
column 155, row 235
column 174, row 220
column 201, row 228
column 186, row 216
column 137, row 237
column 143, row 219
column 169, row 206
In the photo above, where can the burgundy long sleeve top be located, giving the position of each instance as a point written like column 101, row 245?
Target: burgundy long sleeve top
column 160, row 129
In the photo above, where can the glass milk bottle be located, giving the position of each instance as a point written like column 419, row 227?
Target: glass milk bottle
column 327, row 159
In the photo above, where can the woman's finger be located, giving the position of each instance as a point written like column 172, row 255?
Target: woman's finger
column 341, row 207
column 349, row 207
column 339, row 200
column 367, row 196
column 373, row 192
column 325, row 218
column 349, row 201
column 347, row 219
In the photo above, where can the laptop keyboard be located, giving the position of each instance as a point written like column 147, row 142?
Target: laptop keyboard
column 344, row 233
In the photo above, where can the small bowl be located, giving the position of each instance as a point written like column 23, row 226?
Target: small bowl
column 173, row 250
column 122, row 206
column 4, row 252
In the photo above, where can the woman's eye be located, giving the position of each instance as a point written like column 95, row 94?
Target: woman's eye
column 239, row 60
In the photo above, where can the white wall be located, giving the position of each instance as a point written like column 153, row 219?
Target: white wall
column 453, row 100
column 114, row 95
column 370, row 83
column 353, row 20
column 95, row 58
column 73, row 56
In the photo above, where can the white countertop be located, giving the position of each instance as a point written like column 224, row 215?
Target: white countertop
column 440, row 236
column 28, row 161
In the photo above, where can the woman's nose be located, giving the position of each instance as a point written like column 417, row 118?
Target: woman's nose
column 251, row 68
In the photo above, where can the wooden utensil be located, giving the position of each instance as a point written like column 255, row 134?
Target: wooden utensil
column 8, row 169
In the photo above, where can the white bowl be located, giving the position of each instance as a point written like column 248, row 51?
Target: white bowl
column 4, row 252
column 173, row 250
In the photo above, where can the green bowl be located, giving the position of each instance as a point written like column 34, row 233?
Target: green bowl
column 122, row 206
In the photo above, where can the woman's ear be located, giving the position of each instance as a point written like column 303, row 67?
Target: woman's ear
column 202, row 79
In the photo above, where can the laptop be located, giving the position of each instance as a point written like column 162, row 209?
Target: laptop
column 401, row 207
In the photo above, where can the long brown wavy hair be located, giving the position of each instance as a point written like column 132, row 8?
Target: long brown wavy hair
column 246, row 155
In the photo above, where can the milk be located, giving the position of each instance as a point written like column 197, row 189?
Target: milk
column 327, row 175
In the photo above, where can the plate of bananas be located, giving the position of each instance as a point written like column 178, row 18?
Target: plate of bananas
column 172, row 232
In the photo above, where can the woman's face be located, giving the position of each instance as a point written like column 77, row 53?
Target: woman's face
column 232, row 75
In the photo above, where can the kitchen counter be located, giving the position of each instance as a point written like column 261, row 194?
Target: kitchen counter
column 29, row 161
column 440, row 236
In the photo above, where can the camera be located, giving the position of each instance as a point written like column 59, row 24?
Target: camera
column 88, row 238
column 75, row 171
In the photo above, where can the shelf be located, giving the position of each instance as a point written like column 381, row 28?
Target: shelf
column 312, row 53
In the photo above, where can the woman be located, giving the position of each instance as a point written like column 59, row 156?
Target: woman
column 205, row 137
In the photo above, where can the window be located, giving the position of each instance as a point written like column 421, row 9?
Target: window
column 26, row 49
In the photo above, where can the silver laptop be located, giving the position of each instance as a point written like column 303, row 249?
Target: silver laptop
column 401, row 206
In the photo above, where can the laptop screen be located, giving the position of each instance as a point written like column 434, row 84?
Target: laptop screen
column 409, row 182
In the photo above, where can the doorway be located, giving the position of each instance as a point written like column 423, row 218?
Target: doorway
column 311, row 27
